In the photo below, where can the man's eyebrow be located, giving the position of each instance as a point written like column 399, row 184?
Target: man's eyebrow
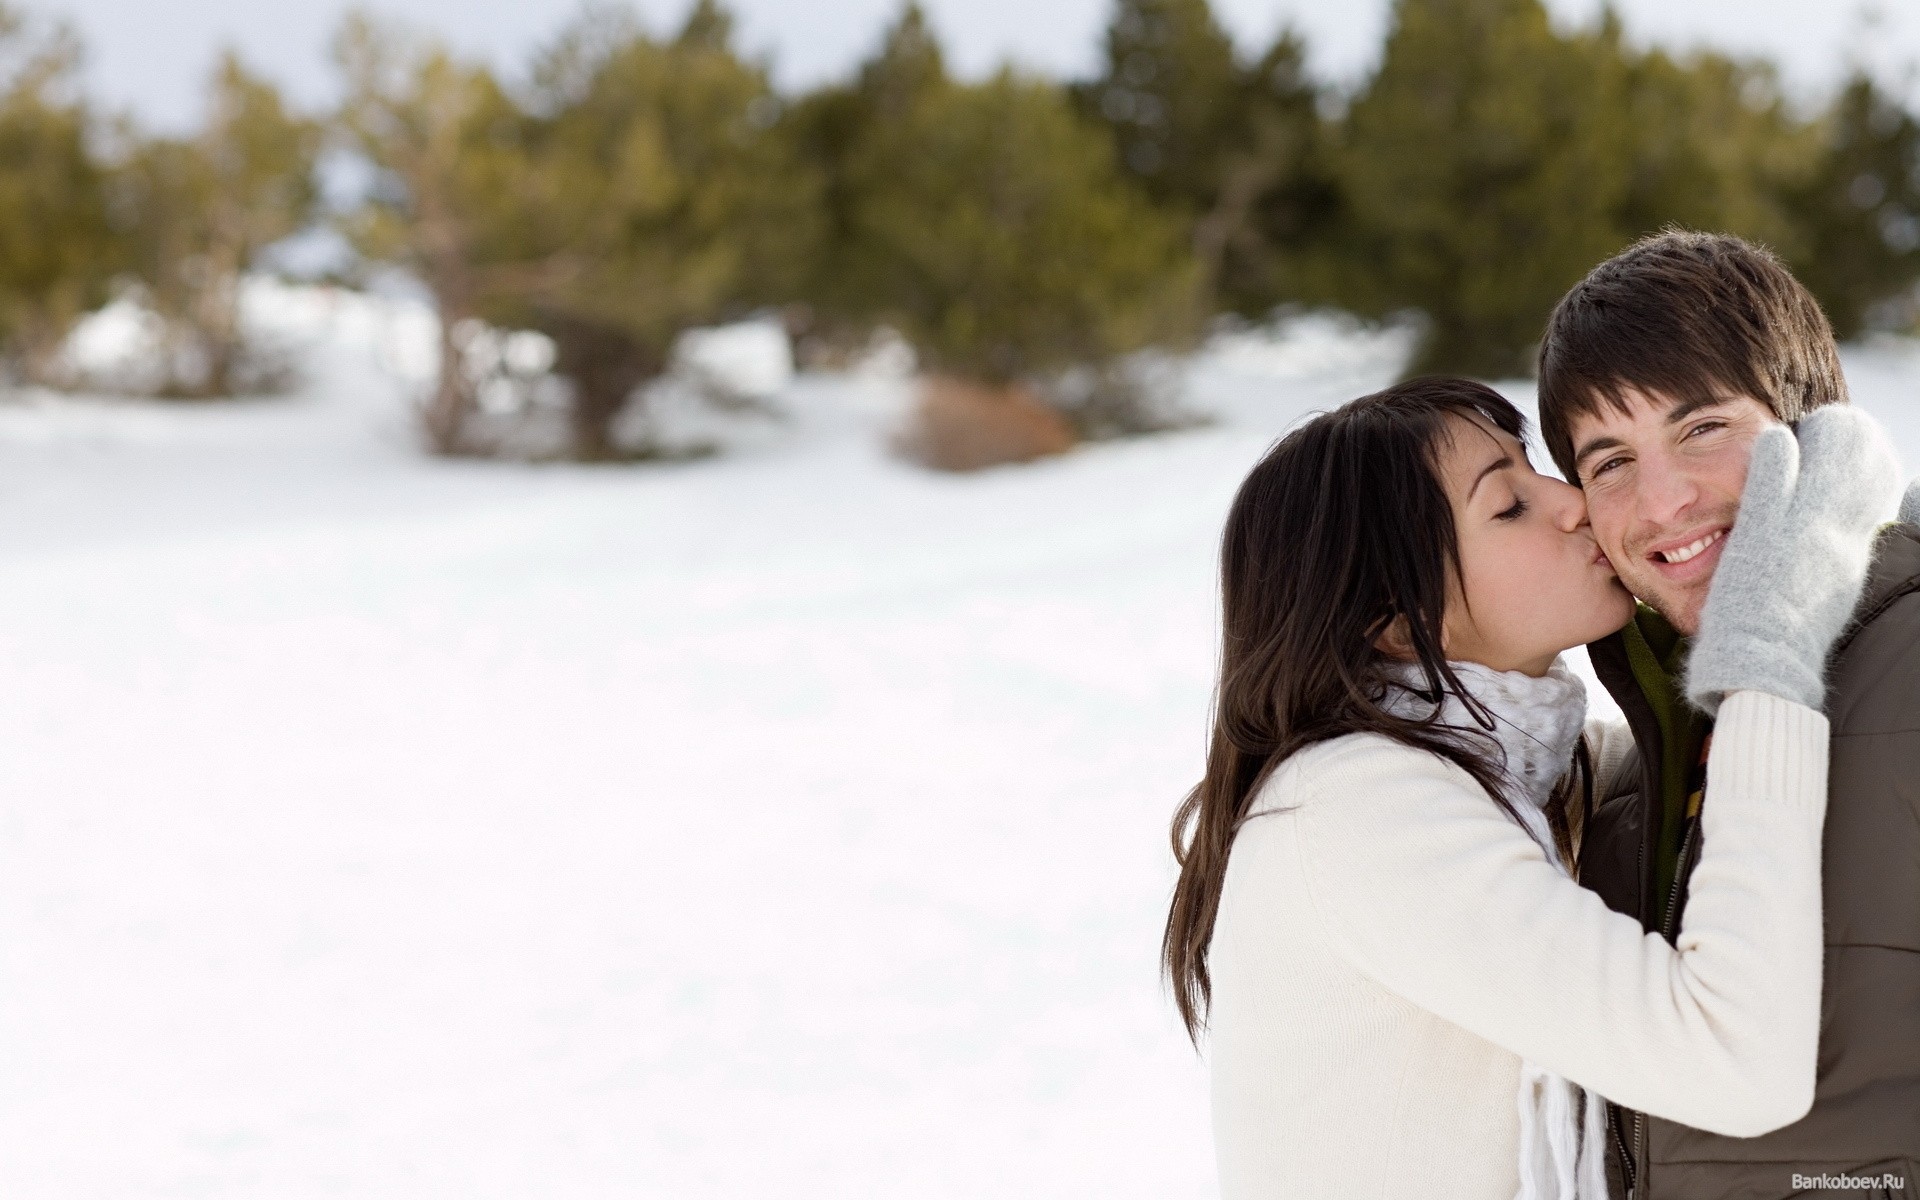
column 1687, row 408
column 1593, row 446
column 1504, row 461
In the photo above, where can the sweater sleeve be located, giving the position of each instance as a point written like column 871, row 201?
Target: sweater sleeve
column 1429, row 888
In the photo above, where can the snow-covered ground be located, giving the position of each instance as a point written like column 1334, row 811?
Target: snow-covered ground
column 789, row 823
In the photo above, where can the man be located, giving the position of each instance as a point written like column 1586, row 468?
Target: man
column 1656, row 374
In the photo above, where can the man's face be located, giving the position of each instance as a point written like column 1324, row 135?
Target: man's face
column 1663, row 484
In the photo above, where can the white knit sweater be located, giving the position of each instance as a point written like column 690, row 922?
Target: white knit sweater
column 1390, row 946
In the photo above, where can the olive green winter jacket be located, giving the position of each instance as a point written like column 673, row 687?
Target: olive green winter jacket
column 1865, row 1120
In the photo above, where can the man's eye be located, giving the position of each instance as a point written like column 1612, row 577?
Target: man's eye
column 1706, row 426
column 1606, row 466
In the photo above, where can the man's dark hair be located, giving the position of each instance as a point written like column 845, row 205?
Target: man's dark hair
column 1690, row 317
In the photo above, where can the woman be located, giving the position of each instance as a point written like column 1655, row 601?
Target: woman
column 1406, row 992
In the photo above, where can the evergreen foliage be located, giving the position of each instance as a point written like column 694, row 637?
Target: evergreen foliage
column 1238, row 152
column 991, row 224
column 1714, row 145
column 1486, row 167
column 1858, row 214
column 1019, row 232
column 1173, row 95
column 200, row 210
column 661, row 196
column 58, row 248
column 449, row 203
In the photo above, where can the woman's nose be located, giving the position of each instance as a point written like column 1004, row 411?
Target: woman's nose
column 1569, row 505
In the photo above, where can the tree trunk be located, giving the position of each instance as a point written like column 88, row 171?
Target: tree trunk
column 445, row 417
column 221, row 326
column 604, row 365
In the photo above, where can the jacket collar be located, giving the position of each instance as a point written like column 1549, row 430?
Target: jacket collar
column 1613, row 659
column 1649, row 640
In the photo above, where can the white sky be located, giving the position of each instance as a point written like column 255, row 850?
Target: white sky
column 151, row 57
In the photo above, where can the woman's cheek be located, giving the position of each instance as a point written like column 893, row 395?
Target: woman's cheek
column 1518, row 572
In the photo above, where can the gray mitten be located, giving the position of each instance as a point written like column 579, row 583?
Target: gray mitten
column 1910, row 507
column 1796, row 560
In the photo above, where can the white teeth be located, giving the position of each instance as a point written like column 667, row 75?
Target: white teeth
column 1686, row 552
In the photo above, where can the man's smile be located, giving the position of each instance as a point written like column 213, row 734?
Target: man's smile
column 1690, row 556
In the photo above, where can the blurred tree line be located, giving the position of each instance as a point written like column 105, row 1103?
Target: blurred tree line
column 1017, row 231
column 90, row 205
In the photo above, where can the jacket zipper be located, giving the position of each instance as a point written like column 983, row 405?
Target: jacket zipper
column 1620, row 1144
column 1667, row 916
column 1639, row 1142
column 1629, row 1164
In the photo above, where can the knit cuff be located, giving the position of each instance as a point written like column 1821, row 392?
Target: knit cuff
column 1769, row 749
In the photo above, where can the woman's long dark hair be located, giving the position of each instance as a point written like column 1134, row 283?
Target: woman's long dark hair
column 1343, row 526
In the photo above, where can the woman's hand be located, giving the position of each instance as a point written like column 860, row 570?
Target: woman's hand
column 1797, row 558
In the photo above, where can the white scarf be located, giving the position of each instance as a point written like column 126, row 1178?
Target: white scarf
column 1536, row 723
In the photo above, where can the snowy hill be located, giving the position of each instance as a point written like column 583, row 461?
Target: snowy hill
column 786, row 823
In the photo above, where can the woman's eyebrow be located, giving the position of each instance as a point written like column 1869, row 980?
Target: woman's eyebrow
column 1505, row 460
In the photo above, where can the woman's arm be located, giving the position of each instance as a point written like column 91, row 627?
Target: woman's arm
column 1425, row 885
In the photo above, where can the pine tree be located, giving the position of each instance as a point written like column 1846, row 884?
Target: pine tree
column 1714, row 146
column 846, row 281
column 909, row 65
column 1238, row 151
column 1272, row 232
column 1172, row 93
column 58, row 246
column 202, row 209
column 991, row 224
column 1859, row 212
column 636, row 190
column 708, row 26
column 449, row 202
column 665, row 200
column 1486, row 165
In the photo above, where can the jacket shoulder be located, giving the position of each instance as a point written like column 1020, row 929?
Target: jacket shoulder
column 1874, row 684
column 1609, row 846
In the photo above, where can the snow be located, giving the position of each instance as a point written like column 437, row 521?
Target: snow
column 750, row 358
column 791, row 822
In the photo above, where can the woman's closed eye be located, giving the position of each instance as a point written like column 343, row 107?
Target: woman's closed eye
column 1513, row 513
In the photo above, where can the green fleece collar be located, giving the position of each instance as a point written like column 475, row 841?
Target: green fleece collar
column 1657, row 655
